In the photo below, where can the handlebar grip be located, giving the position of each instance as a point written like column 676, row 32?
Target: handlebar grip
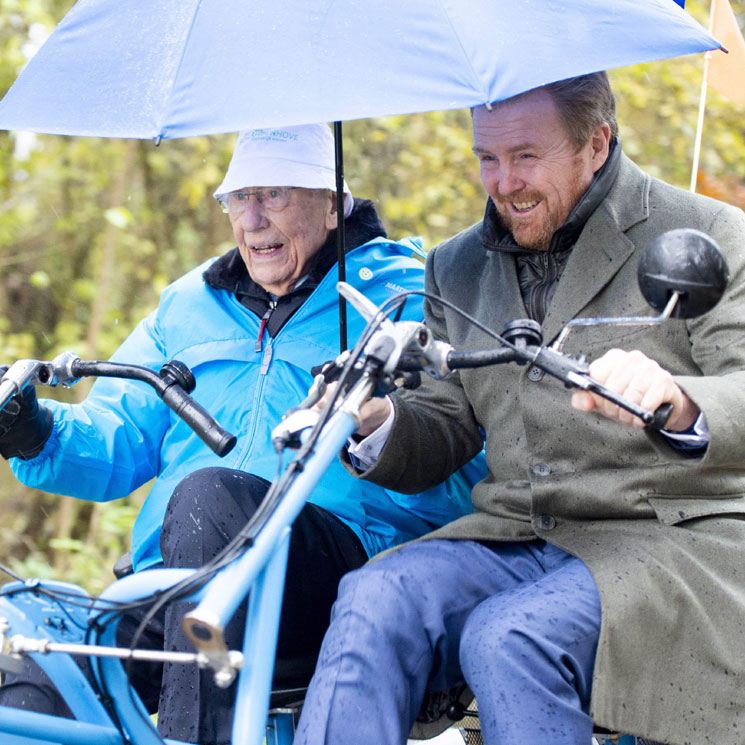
column 653, row 420
column 169, row 385
column 480, row 358
column 660, row 416
column 200, row 420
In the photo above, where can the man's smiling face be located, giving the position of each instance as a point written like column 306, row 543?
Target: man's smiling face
column 531, row 168
column 278, row 247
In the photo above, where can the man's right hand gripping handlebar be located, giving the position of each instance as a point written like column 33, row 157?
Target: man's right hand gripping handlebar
column 25, row 424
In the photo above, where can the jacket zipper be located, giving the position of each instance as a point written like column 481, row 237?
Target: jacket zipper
column 262, row 326
column 258, row 397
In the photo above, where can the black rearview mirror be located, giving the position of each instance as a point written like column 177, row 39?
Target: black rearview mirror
column 687, row 262
column 682, row 274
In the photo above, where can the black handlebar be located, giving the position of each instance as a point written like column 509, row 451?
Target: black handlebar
column 572, row 371
column 199, row 419
column 480, row 358
column 171, row 385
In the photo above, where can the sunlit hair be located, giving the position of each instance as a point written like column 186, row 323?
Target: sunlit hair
column 583, row 103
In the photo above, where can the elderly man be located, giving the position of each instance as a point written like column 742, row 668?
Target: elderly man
column 250, row 325
column 600, row 576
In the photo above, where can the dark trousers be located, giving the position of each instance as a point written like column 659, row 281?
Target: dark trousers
column 206, row 511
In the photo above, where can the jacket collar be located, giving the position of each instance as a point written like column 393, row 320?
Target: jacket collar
column 498, row 238
column 363, row 224
column 602, row 248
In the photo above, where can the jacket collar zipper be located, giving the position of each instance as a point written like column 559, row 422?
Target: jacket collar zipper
column 262, row 326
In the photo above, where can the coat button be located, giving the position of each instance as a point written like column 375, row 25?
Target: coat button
column 541, row 469
column 535, row 374
column 547, row 522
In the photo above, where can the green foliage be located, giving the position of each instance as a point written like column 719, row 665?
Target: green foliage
column 658, row 106
column 92, row 230
column 420, row 171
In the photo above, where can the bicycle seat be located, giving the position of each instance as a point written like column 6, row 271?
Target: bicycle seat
column 291, row 679
column 287, row 698
column 123, row 566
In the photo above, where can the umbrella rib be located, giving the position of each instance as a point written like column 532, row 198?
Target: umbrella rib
column 161, row 128
column 485, row 93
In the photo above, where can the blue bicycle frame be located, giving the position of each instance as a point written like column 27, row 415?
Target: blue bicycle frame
column 258, row 572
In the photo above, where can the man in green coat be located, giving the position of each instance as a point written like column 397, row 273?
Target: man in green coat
column 601, row 576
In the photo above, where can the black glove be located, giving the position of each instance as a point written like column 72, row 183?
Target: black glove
column 24, row 425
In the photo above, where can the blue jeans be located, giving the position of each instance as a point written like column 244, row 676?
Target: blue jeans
column 519, row 622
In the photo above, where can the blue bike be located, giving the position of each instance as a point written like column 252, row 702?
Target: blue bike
column 51, row 621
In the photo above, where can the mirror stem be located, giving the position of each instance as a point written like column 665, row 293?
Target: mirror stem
column 630, row 321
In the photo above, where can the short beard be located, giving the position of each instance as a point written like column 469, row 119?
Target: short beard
column 546, row 232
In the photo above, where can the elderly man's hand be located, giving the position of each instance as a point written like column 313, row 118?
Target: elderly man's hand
column 641, row 381
column 373, row 412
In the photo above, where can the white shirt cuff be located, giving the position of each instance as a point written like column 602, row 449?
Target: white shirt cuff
column 365, row 453
column 696, row 439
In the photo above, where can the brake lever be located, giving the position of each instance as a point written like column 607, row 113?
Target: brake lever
column 23, row 373
column 364, row 306
column 20, row 375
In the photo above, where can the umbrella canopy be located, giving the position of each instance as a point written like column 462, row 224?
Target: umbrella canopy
column 179, row 68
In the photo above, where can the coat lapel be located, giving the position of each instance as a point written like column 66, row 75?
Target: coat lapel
column 506, row 304
column 602, row 248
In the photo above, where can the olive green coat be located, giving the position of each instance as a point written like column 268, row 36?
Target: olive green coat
column 662, row 533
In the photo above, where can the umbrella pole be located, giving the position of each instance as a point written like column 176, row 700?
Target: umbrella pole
column 340, row 248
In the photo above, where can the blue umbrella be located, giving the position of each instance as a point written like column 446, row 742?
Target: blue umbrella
column 179, row 68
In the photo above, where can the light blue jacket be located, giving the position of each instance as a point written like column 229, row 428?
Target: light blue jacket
column 122, row 435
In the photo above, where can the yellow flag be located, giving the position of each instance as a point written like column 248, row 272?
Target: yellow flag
column 726, row 72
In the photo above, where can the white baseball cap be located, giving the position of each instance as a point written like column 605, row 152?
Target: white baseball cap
column 288, row 156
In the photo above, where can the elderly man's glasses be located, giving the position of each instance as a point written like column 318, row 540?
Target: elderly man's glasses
column 274, row 198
